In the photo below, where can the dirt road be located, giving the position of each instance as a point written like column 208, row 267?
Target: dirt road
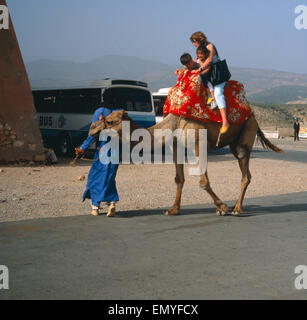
column 54, row 191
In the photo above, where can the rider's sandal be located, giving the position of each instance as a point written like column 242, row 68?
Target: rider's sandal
column 223, row 130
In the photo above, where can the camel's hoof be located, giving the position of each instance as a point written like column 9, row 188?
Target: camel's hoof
column 170, row 212
column 236, row 213
column 222, row 210
column 220, row 213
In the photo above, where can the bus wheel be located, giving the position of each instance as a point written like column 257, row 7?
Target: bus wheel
column 64, row 146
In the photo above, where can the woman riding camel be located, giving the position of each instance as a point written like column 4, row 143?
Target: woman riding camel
column 199, row 40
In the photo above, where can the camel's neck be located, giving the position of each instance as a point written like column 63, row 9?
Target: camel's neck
column 170, row 122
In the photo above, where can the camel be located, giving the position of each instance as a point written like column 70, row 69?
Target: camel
column 240, row 139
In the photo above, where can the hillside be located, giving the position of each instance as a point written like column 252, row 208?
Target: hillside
column 259, row 80
column 280, row 116
column 266, row 86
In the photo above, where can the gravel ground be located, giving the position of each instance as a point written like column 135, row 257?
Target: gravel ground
column 54, row 191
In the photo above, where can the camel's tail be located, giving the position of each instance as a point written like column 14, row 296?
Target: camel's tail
column 267, row 144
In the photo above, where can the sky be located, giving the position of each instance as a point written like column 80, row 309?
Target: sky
column 248, row 33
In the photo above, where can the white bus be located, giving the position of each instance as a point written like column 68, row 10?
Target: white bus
column 159, row 99
column 65, row 114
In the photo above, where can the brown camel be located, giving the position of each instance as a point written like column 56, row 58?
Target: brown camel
column 240, row 139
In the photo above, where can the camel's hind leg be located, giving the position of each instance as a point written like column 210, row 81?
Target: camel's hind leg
column 242, row 150
column 221, row 208
column 246, row 179
column 179, row 180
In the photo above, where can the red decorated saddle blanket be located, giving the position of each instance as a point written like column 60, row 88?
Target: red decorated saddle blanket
column 188, row 98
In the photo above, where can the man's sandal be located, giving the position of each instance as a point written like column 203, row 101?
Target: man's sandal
column 95, row 212
column 111, row 210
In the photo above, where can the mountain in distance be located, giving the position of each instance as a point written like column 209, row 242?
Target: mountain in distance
column 285, row 94
column 60, row 74
column 269, row 86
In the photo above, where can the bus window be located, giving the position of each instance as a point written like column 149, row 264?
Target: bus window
column 159, row 104
column 144, row 106
column 129, row 106
column 46, row 101
column 159, row 99
column 81, row 101
column 132, row 99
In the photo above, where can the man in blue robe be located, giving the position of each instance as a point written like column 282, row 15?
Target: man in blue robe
column 101, row 184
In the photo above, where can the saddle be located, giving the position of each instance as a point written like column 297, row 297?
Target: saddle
column 188, row 98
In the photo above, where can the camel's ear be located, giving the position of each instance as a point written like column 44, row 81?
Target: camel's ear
column 119, row 114
column 125, row 116
column 122, row 114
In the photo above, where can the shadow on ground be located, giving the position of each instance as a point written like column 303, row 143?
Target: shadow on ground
column 249, row 209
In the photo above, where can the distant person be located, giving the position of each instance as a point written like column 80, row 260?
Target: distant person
column 296, row 127
column 101, row 185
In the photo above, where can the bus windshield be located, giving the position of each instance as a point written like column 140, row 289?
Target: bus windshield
column 132, row 99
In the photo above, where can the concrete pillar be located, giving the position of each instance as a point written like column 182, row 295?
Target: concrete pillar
column 20, row 137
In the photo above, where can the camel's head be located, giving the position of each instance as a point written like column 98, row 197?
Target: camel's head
column 115, row 119
column 96, row 127
column 112, row 121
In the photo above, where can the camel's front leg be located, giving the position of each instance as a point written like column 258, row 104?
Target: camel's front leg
column 179, row 180
column 221, row 208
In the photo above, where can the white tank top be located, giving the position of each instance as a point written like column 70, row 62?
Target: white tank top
column 216, row 58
